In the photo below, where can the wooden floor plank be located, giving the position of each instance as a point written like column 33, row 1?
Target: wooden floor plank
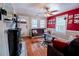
column 34, row 47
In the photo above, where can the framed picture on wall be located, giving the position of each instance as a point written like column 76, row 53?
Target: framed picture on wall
column 70, row 19
column 51, row 21
column 76, row 21
column 76, row 18
column 76, row 15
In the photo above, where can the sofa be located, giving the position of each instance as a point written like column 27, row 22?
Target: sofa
column 63, row 48
column 60, row 45
column 59, row 48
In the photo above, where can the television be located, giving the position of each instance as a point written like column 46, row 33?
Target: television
column 37, row 32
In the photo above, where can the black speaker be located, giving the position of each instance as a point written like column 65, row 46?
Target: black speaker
column 13, row 41
column 3, row 11
column 0, row 17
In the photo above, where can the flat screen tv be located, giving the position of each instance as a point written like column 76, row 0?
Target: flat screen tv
column 37, row 32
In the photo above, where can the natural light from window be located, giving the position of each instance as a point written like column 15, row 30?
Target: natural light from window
column 34, row 23
column 61, row 25
column 42, row 23
column 38, row 23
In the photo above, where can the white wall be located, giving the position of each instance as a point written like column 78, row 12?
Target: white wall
column 24, row 26
column 3, row 40
column 4, row 51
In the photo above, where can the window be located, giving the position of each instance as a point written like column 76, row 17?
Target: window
column 61, row 24
column 34, row 23
column 38, row 23
column 42, row 23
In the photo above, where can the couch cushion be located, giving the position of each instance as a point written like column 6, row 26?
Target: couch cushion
column 60, row 44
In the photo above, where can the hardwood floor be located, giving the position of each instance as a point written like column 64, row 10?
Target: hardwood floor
column 34, row 47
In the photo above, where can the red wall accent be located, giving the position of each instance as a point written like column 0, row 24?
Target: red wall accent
column 71, row 26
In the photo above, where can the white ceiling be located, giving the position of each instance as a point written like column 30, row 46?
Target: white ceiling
column 36, row 9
